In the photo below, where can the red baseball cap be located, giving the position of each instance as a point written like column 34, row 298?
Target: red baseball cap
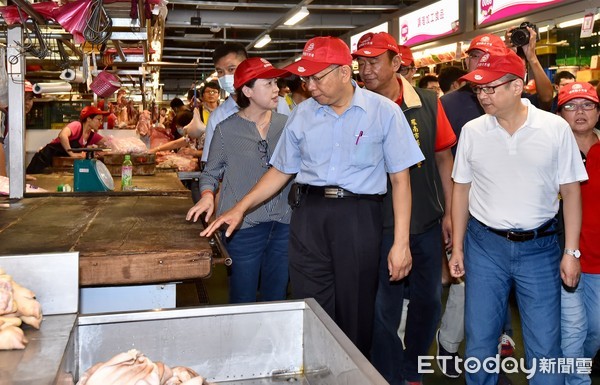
column 577, row 90
column 493, row 65
column 406, row 55
column 91, row 110
column 319, row 53
column 255, row 68
column 530, row 86
column 374, row 44
column 487, row 42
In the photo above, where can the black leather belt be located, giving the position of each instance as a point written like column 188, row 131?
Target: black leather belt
column 336, row 192
column 522, row 236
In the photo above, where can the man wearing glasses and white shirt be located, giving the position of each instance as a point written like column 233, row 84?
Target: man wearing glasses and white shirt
column 510, row 166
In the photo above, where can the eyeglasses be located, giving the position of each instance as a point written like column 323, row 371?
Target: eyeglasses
column 489, row 89
column 588, row 106
column 263, row 148
column 211, row 92
column 404, row 70
column 317, row 79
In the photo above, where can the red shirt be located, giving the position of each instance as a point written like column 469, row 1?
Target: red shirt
column 445, row 136
column 76, row 128
column 589, row 241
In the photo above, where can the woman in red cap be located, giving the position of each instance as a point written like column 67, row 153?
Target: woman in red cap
column 76, row 134
column 578, row 104
column 239, row 156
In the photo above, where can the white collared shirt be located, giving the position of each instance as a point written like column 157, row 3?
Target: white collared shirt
column 515, row 179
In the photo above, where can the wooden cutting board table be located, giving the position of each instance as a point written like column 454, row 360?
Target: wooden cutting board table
column 162, row 183
column 122, row 239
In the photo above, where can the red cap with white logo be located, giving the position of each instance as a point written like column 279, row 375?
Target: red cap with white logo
column 493, row 65
column 319, row 53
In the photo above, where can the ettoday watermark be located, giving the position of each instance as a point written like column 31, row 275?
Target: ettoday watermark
column 496, row 364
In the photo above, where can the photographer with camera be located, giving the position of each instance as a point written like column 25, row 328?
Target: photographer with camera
column 524, row 38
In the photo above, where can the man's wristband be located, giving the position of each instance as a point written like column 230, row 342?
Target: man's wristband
column 207, row 192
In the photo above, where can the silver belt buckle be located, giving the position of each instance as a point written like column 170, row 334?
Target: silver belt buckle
column 332, row 192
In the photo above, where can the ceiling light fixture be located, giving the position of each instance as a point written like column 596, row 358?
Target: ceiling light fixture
column 263, row 41
column 543, row 29
column 301, row 14
column 570, row 23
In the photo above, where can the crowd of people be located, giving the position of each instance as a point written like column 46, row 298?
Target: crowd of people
column 391, row 183
column 362, row 197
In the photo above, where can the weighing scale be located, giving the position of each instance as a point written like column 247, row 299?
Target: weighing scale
column 91, row 175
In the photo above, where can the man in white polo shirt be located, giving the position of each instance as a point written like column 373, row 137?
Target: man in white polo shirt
column 510, row 166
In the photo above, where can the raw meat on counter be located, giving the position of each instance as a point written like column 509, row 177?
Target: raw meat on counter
column 5, row 183
column 130, row 145
column 178, row 161
column 133, row 368
column 11, row 335
column 17, row 305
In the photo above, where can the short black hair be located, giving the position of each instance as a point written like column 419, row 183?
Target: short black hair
column 281, row 83
column 213, row 85
column 175, row 103
column 426, row 79
column 242, row 100
column 449, row 75
column 190, row 93
column 562, row 75
column 227, row 48
column 294, row 82
column 184, row 118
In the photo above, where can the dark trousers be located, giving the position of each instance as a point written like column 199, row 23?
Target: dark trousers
column 389, row 357
column 334, row 254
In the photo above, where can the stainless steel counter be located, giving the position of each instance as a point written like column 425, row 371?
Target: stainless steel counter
column 38, row 363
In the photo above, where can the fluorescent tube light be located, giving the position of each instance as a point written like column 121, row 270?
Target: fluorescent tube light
column 263, row 41
column 543, row 29
column 570, row 23
column 301, row 14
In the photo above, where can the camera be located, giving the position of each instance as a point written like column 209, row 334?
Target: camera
column 520, row 36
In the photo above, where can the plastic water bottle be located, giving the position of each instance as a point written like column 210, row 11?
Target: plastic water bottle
column 127, row 174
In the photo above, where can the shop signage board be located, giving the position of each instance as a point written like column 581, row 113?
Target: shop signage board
column 491, row 11
column 429, row 23
column 587, row 27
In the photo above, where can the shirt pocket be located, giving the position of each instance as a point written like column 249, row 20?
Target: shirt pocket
column 367, row 150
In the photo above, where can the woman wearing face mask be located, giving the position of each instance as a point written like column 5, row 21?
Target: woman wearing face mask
column 78, row 134
column 239, row 156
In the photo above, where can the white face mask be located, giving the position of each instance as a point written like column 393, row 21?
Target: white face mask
column 226, row 83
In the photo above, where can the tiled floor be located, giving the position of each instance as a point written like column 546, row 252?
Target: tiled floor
column 214, row 291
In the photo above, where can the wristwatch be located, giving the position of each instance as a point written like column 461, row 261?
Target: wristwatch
column 575, row 253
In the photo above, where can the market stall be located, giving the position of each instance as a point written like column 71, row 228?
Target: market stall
column 263, row 343
column 122, row 240
column 162, row 183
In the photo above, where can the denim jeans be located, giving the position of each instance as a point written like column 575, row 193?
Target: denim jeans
column 258, row 252
column 452, row 326
column 390, row 358
column 493, row 265
column 580, row 324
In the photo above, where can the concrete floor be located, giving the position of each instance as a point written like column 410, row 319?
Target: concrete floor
column 213, row 291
